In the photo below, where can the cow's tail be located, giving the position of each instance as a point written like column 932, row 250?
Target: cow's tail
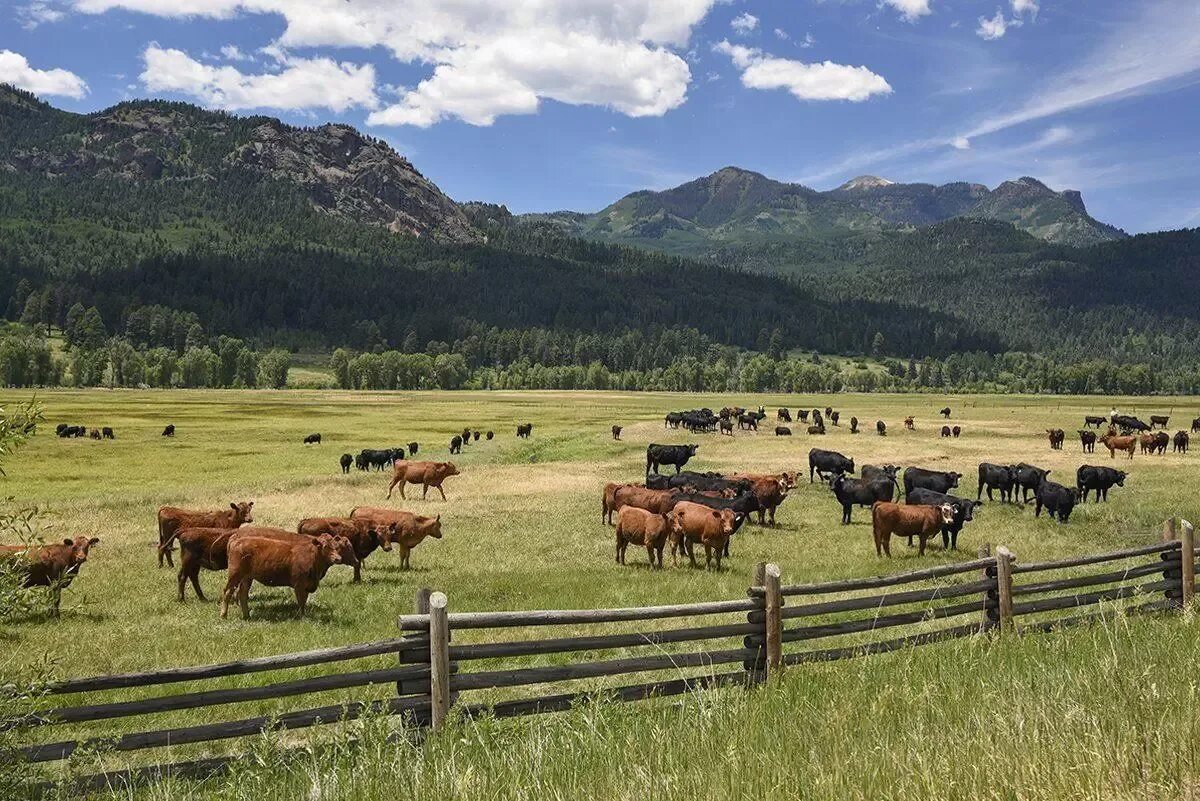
column 648, row 463
column 166, row 542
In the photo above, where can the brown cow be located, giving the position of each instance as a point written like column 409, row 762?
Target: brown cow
column 923, row 522
column 300, row 564
column 692, row 523
column 427, row 474
column 409, row 531
column 364, row 535
column 53, row 566
column 1115, row 443
column 207, row 549
column 608, row 503
column 769, row 493
column 1148, row 442
column 786, row 480
column 639, row 527
column 657, row 501
column 172, row 520
column 909, row 424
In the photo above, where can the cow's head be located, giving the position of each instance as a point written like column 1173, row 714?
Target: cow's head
column 728, row 521
column 451, row 469
column 430, row 526
column 954, row 477
column 79, row 549
column 385, row 535
column 691, row 449
column 1121, row 478
column 337, row 550
column 850, row 468
column 836, row 480
column 242, row 512
column 947, row 513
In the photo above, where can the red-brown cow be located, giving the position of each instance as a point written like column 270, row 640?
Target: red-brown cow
column 427, row 474
column 364, row 535
column 639, row 527
column 658, row 501
column 1127, row 444
column 692, row 523
column 172, row 520
column 207, row 549
column 902, row 520
column 409, row 529
column 53, row 566
column 608, row 502
column 299, row 563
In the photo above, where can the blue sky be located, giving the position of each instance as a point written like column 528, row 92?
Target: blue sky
column 552, row 104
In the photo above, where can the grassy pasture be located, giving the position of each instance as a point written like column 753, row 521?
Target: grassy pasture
column 522, row 524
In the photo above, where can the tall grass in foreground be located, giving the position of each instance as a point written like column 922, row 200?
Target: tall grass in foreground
column 1105, row 712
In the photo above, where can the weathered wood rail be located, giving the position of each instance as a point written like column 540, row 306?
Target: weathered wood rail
column 671, row 649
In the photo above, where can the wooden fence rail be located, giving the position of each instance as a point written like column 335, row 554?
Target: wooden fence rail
column 756, row 634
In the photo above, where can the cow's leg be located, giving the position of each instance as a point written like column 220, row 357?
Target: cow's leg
column 392, row 486
column 910, row 539
column 441, row 491
column 691, row 552
column 650, row 554
column 227, row 595
column 244, row 597
column 301, row 601
column 921, row 548
column 1037, row 508
column 357, row 571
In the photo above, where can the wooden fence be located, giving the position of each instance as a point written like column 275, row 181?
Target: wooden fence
column 671, row 650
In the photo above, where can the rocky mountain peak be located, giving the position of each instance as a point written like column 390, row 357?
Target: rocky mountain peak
column 865, row 182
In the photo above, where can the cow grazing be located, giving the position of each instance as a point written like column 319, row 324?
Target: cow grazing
column 61, row 429
column 851, row 492
column 107, row 433
column 456, row 444
column 1159, row 420
column 1196, row 425
column 1180, row 442
column 997, row 477
column 818, row 430
column 853, row 425
column 1094, row 420
column 963, row 512
column 1056, row 437
column 827, row 463
column 677, row 455
column 312, row 439
column 488, row 436
column 345, row 461
column 945, row 431
column 1087, row 439
column 405, row 529
column 727, row 426
column 644, row 529
column 95, row 433
column 935, row 480
column 1126, row 444
column 616, row 433
column 169, row 431
column 956, row 431
column 923, row 522
column 365, row 535
column 53, row 566
column 783, row 431
column 1089, row 478
column 1056, row 499
column 802, row 415
column 278, row 563
column 427, row 474
column 1161, row 440
column 693, row 523
column 524, row 430
column 945, row 412
column 881, row 428
column 783, row 416
column 172, row 519
column 910, row 424
column 475, row 436
column 1028, row 479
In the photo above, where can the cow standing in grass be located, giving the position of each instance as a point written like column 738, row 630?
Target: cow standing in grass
column 172, row 519
column 644, row 529
column 299, row 564
column 53, row 566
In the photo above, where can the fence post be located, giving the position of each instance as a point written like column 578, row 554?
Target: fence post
column 416, row 645
column 1172, row 569
column 1004, row 560
column 439, row 661
column 1187, row 561
column 774, row 622
column 755, row 667
column 989, row 596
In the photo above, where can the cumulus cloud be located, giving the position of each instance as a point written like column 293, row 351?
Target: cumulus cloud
column 910, row 9
column 301, row 83
column 38, row 13
column 744, row 23
column 817, row 81
column 780, row 33
column 15, row 69
column 992, row 28
column 1023, row 6
column 487, row 59
column 234, row 53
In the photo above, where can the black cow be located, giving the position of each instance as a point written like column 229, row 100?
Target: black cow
column 456, row 444
column 833, row 416
column 945, row 431
column 312, row 439
column 816, row 429
column 872, row 472
column 1127, row 423
column 964, row 512
column 1057, row 500
column 783, row 416
column 1087, row 439
column 817, row 419
column 1159, row 420
column 677, row 455
column 995, row 476
column 852, row 492
column 1196, row 425
column 727, row 426
column 853, row 425
column 475, row 436
column 1100, row 479
column 935, row 480
column 1096, row 420
column 107, row 433
column 413, row 447
column 1180, row 442
column 827, row 462
column 345, row 462
column 616, row 432
column 748, row 420
column 703, row 482
column 95, row 433
column 881, row 428
column 1056, row 437
column 61, row 429
column 169, row 431
column 956, row 431
column 945, row 412
column 377, row 458
column 783, row 431
column 524, row 430
column 1028, row 478
column 466, row 436
column 802, row 414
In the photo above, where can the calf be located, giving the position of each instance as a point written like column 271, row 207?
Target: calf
column 427, row 474
column 1056, row 437
column 945, row 412
column 945, row 431
column 824, row 462
column 169, row 431
column 956, row 431
column 1000, row 477
column 279, row 563
column 1180, row 442
column 851, row 492
column 345, row 462
column 1057, row 500
column 95, row 433
column 456, row 444
column 488, row 436
column 312, row 439
column 1114, row 443
column 769, row 493
column 1100, row 479
column 910, row 424
column 413, row 447
column 695, row 523
column 645, row 529
column 1159, row 420
column 1087, row 439
column 53, row 566
column 923, row 522
column 616, row 432
column 677, row 455
column 726, row 426
column 783, row 431
column 963, row 512
column 1096, row 420
column 881, row 428
column 524, row 430
column 1028, row 479
column 1148, row 442
column 936, row 480
column 475, row 436
column 172, row 519
column 365, row 535
column 853, row 425
column 405, row 529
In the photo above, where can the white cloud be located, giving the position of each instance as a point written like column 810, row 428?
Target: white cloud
column 301, row 84
column 780, row 33
column 817, row 81
column 993, row 28
column 15, row 69
column 487, row 59
column 37, row 13
column 809, row 40
column 961, row 143
column 910, row 9
column 1023, row 6
column 744, row 23
column 234, row 53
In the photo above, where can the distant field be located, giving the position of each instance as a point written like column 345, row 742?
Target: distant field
column 522, row 524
